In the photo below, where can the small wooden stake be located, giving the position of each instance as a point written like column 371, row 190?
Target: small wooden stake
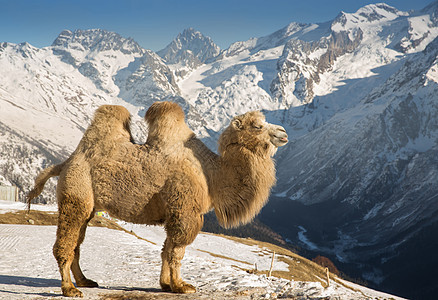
column 272, row 264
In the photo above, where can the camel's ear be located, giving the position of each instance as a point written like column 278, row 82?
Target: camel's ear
column 237, row 124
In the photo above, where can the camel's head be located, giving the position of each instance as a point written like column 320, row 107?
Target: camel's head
column 253, row 132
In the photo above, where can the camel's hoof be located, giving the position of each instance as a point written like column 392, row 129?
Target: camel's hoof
column 87, row 283
column 185, row 288
column 165, row 287
column 72, row 292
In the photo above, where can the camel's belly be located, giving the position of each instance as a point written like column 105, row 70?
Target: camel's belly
column 139, row 211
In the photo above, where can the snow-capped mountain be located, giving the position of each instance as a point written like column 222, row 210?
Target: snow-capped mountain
column 117, row 66
column 189, row 50
column 368, row 173
column 48, row 95
column 357, row 96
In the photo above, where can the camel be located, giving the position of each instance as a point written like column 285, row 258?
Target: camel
column 172, row 180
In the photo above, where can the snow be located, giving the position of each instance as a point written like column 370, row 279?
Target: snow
column 373, row 211
column 421, row 28
column 56, row 103
column 121, row 262
column 303, row 238
column 232, row 86
column 366, row 16
column 432, row 74
column 8, row 206
column 244, row 256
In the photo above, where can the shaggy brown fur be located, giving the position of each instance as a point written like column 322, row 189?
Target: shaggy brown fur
column 173, row 180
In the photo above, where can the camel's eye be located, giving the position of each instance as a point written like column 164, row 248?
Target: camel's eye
column 258, row 126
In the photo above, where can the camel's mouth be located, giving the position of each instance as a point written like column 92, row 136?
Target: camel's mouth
column 279, row 141
column 279, row 137
column 283, row 140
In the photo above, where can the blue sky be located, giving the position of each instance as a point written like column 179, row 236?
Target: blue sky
column 155, row 23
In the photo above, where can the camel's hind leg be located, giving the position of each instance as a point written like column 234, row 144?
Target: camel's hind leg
column 75, row 207
column 67, row 237
column 80, row 278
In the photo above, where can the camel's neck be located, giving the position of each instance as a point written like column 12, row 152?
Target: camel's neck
column 239, row 181
column 208, row 160
column 240, row 185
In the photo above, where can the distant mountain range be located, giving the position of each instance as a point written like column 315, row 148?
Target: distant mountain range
column 358, row 96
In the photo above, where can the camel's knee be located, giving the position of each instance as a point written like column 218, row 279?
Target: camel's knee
column 64, row 252
column 66, row 242
column 176, row 255
column 182, row 231
column 83, row 228
column 72, row 225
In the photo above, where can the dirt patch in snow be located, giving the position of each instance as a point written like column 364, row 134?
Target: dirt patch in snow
column 151, row 294
column 35, row 217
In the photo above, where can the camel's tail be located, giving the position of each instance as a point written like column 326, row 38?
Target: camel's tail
column 41, row 179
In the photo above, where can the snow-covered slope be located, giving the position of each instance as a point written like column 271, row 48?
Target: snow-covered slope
column 357, row 96
column 130, row 266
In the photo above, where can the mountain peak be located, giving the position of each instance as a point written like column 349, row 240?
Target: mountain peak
column 369, row 14
column 378, row 11
column 63, row 38
column 190, row 47
column 191, row 32
column 96, row 40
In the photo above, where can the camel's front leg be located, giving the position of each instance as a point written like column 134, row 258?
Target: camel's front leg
column 170, row 278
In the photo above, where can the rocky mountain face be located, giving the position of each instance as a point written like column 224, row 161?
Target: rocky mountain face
column 116, row 65
column 357, row 95
column 189, row 50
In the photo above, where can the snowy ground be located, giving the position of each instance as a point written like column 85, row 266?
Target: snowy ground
column 126, row 266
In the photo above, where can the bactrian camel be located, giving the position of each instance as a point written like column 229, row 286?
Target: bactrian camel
column 172, row 180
